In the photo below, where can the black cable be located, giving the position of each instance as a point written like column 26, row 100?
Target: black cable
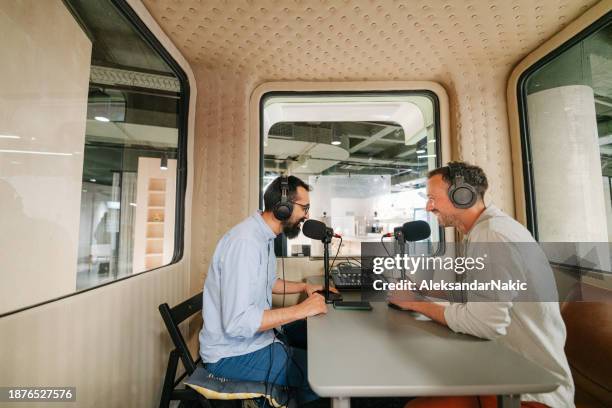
column 283, row 263
column 384, row 246
column 354, row 259
column 284, row 293
column 283, row 345
column 349, row 263
column 268, row 387
column 337, row 252
column 274, row 331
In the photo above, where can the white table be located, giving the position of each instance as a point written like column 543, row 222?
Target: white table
column 387, row 352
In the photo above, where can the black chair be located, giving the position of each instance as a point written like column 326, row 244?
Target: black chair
column 170, row 391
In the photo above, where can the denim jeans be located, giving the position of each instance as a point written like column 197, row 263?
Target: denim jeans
column 279, row 363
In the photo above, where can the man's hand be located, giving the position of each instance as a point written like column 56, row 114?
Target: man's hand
column 410, row 300
column 311, row 289
column 406, row 299
column 313, row 305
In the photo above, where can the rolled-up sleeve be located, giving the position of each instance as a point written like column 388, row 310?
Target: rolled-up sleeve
column 240, row 313
column 487, row 320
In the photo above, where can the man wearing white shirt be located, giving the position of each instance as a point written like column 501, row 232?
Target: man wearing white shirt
column 534, row 329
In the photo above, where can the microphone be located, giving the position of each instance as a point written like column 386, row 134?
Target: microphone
column 411, row 231
column 317, row 230
column 314, row 229
column 416, row 231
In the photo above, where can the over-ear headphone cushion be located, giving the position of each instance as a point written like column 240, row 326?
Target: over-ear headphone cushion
column 463, row 195
column 283, row 211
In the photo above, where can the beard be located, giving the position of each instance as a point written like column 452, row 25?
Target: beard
column 446, row 220
column 292, row 230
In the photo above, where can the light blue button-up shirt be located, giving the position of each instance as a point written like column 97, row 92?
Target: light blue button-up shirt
column 237, row 290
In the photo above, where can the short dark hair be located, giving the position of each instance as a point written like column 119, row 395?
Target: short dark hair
column 472, row 175
column 272, row 195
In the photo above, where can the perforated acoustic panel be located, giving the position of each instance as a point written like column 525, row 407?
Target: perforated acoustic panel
column 469, row 47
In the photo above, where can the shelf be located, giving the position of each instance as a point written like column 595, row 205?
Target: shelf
column 155, row 230
column 154, row 246
column 157, row 200
column 155, row 215
column 157, row 184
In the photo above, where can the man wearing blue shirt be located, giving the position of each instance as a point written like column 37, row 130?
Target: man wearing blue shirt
column 237, row 340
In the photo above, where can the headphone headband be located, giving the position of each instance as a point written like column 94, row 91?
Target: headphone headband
column 284, row 187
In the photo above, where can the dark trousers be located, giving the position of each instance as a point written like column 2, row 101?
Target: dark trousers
column 282, row 362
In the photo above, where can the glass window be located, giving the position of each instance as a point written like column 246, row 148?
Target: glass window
column 568, row 143
column 366, row 157
column 91, row 135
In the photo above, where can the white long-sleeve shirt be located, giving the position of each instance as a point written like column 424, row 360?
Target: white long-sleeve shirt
column 533, row 329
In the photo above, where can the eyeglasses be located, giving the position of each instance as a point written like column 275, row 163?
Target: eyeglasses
column 305, row 207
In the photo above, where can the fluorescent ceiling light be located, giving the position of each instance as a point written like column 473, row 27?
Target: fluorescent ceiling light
column 9, row 137
column 406, row 114
column 113, row 205
column 420, row 151
column 431, row 141
column 33, row 152
column 336, row 142
column 426, row 156
column 102, row 119
column 92, row 180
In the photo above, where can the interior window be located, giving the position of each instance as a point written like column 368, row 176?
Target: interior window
column 568, row 146
column 90, row 142
column 366, row 157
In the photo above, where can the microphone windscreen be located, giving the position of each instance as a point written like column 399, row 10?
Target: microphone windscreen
column 314, row 229
column 416, row 231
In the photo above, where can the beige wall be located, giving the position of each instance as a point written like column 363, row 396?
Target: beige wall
column 109, row 342
column 45, row 108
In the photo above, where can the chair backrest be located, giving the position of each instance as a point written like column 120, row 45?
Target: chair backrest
column 175, row 316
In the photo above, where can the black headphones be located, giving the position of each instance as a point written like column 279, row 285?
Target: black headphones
column 460, row 193
column 284, row 208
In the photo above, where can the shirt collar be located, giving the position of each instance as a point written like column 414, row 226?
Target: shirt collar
column 489, row 212
column 263, row 227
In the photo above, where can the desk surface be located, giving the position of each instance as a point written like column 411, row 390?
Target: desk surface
column 387, row 352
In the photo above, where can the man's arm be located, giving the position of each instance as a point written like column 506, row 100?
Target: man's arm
column 487, row 320
column 283, row 286
column 288, row 287
column 312, row 306
column 430, row 309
